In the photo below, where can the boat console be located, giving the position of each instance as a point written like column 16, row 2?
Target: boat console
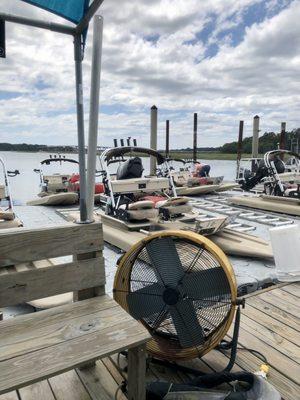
column 139, row 185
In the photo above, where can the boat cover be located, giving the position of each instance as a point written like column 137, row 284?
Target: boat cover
column 130, row 169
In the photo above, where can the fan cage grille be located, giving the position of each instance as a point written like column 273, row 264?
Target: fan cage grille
column 214, row 313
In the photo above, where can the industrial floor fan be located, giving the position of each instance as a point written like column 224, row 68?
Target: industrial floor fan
column 182, row 288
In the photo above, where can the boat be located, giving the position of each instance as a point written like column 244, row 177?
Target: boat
column 187, row 184
column 134, row 205
column 275, row 177
column 8, row 218
column 60, row 189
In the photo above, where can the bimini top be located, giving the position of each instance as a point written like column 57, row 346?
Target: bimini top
column 279, row 151
column 47, row 161
column 177, row 160
column 120, row 151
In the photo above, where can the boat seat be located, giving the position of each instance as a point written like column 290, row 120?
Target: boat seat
column 37, row 346
column 141, row 210
column 56, row 182
column 139, row 185
column 2, row 192
column 175, row 205
column 6, row 215
column 180, row 177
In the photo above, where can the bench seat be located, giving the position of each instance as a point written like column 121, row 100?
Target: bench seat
column 37, row 346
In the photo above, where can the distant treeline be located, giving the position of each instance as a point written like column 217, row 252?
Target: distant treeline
column 268, row 141
column 36, row 148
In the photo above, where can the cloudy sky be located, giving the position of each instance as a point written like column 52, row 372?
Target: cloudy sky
column 225, row 59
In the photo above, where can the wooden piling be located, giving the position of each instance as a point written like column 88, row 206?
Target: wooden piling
column 153, row 139
column 239, row 147
column 167, row 138
column 195, row 137
column 282, row 136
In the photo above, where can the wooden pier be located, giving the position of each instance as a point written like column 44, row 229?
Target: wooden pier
column 269, row 324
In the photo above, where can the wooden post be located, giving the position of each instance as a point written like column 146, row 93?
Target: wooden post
column 239, row 147
column 195, row 137
column 167, row 138
column 282, row 136
column 137, row 373
column 255, row 140
column 153, row 139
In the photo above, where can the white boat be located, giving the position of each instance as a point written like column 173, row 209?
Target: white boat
column 8, row 219
column 189, row 185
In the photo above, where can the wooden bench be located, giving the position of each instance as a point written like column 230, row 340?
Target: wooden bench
column 39, row 345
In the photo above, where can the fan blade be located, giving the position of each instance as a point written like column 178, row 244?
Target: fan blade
column 146, row 301
column 166, row 261
column 187, row 326
column 206, row 284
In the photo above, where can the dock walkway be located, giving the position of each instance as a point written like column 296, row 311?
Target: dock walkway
column 270, row 324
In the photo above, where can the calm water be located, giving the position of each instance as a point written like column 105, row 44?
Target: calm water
column 25, row 186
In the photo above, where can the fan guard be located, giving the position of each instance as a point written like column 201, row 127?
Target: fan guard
column 182, row 288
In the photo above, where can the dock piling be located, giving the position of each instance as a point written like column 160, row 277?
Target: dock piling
column 282, row 136
column 255, row 140
column 195, row 137
column 153, row 139
column 239, row 148
column 167, row 138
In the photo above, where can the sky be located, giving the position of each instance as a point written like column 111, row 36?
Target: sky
column 227, row 60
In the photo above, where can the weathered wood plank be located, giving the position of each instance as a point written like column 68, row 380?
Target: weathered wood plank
column 32, row 367
column 22, row 342
column 21, row 245
column 68, row 386
column 99, row 383
column 56, row 279
column 37, row 391
column 275, row 312
column 274, row 299
column 9, row 396
column 267, row 321
column 29, row 322
column 277, row 360
column 137, row 373
column 265, row 334
column 286, row 297
column 249, row 362
column 88, row 292
column 293, row 289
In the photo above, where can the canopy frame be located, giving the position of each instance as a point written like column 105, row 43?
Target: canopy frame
column 77, row 33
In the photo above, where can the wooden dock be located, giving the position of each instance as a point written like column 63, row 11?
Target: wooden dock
column 270, row 325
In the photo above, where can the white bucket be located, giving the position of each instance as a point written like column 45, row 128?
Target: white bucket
column 286, row 248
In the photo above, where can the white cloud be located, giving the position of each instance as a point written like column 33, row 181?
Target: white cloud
column 153, row 54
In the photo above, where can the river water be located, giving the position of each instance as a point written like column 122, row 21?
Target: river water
column 25, row 186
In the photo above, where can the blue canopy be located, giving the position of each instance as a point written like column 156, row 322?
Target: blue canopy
column 72, row 10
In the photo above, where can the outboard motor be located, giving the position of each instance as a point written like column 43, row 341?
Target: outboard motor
column 262, row 172
column 130, row 169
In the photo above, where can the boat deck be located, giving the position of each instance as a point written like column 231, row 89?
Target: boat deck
column 270, row 324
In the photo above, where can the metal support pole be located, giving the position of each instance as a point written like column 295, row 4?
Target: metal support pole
column 239, row 148
column 51, row 26
column 167, row 138
column 153, row 139
column 94, row 113
column 195, row 137
column 80, row 127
